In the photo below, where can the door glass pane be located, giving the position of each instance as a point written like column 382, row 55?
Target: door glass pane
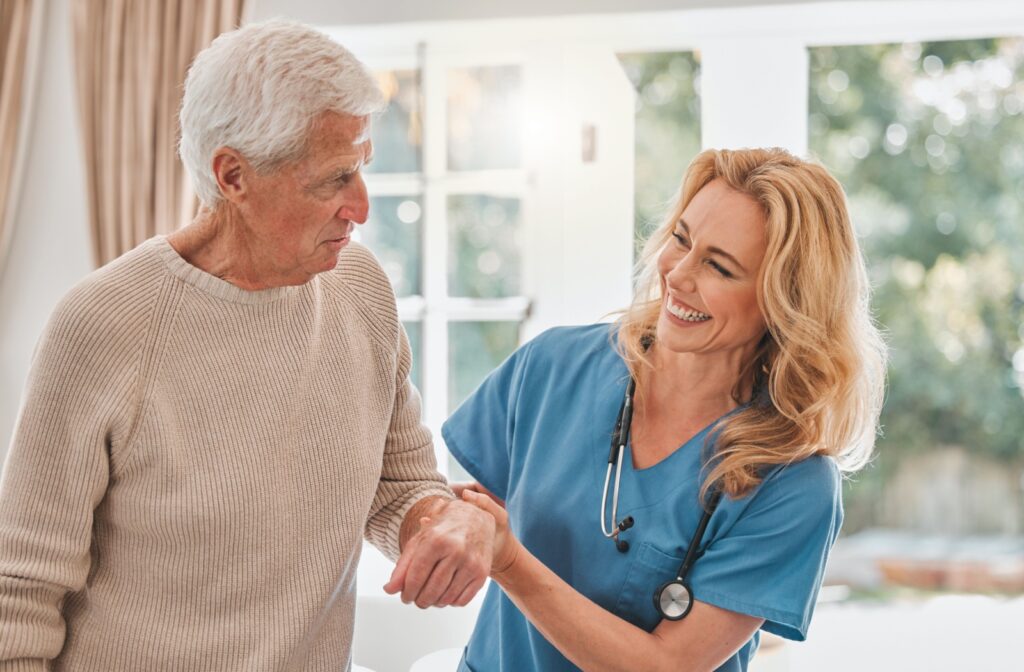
column 484, row 246
column 484, row 118
column 667, row 129
column 393, row 232
column 474, row 350
column 397, row 133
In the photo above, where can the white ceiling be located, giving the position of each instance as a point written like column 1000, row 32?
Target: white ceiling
column 349, row 12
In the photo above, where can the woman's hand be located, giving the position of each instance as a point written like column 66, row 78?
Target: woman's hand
column 506, row 546
column 458, row 488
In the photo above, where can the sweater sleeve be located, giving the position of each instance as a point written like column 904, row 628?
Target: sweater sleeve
column 75, row 412
column 409, row 469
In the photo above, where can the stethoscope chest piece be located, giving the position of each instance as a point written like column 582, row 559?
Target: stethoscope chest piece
column 673, row 600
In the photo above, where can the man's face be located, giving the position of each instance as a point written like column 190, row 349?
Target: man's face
column 301, row 215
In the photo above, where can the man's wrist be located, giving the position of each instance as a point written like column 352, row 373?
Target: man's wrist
column 427, row 507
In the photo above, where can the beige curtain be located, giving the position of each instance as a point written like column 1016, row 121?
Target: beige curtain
column 15, row 28
column 131, row 60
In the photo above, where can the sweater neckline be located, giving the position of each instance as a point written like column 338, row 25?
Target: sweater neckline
column 212, row 285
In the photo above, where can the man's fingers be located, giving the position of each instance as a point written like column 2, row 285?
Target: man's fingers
column 397, row 580
column 459, row 583
column 418, row 573
column 437, row 584
column 470, row 591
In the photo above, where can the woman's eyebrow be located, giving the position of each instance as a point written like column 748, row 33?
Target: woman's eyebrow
column 714, row 250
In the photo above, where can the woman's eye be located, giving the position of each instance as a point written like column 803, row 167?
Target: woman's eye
column 680, row 239
column 721, row 269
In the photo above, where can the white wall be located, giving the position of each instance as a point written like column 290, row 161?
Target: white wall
column 50, row 243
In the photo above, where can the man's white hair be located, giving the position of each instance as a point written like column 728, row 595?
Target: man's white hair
column 258, row 90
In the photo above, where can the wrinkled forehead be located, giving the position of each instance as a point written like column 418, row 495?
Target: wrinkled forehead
column 337, row 137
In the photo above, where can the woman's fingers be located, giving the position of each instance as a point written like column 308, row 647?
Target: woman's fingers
column 505, row 544
column 487, row 504
column 459, row 488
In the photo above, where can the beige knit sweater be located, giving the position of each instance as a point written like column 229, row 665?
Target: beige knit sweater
column 195, row 466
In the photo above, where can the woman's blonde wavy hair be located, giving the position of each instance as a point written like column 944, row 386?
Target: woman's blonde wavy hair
column 818, row 373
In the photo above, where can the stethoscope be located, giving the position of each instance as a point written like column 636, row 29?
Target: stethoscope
column 674, row 598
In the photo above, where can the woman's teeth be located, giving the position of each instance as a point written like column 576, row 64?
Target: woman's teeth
column 688, row 315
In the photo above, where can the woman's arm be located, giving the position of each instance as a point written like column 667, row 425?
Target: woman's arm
column 597, row 640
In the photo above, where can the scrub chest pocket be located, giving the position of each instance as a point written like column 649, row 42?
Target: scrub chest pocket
column 650, row 569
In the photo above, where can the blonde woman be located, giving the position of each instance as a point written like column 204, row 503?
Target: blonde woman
column 743, row 381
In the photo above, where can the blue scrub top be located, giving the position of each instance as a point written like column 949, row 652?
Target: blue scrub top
column 536, row 433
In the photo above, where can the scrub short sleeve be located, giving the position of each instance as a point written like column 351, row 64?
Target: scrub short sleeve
column 771, row 562
column 480, row 432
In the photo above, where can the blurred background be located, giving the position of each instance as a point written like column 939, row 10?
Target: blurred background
column 529, row 149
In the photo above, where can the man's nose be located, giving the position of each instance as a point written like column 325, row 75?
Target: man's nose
column 357, row 207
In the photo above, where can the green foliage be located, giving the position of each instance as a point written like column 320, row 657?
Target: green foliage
column 927, row 141
column 667, row 130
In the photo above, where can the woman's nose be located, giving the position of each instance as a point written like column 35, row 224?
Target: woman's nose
column 681, row 276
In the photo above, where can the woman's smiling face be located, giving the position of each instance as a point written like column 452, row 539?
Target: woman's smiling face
column 709, row 271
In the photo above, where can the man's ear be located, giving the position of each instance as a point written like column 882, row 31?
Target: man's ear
column 230, row 169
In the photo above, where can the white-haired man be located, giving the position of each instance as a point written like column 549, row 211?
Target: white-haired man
column 215, row 420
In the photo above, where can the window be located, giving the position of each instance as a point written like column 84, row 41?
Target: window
column 456, row 196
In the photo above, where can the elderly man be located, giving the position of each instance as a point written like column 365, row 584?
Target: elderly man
column 216, row 419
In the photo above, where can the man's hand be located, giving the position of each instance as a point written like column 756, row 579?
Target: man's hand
column 447, row 561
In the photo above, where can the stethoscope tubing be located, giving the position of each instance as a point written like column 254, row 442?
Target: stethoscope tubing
column 620, row 438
